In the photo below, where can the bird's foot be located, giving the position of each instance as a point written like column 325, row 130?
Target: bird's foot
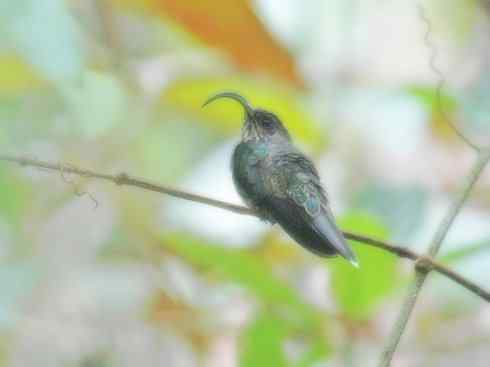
column 264, row 216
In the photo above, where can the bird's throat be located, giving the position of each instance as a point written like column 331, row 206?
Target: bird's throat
column 250, row 132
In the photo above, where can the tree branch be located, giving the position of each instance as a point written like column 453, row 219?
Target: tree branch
column 126, row 180
column 421, row 270
column 486, row 6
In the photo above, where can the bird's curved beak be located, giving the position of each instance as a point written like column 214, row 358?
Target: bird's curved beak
column 249, row 111
column 250, row 128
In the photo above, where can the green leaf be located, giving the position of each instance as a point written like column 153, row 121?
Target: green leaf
column 317, row 352
column 428, row 96
column 16, row 76
column 359, row 291
column 190, row 94
column 248, row 271
column 262, row 343
column 46, row 35
column 14, row 195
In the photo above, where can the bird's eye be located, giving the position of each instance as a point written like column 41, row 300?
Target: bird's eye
column 268, row 125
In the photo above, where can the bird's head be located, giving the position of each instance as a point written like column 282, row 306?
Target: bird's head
column 259, row 124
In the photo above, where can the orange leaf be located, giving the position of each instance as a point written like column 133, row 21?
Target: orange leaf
column 232, row 27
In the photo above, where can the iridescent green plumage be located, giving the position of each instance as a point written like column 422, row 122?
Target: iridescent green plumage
column 282, row 184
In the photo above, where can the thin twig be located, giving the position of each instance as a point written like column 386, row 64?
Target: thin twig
column 76, row 188
column 421, row 270
column 124, row 179
column 441, row 80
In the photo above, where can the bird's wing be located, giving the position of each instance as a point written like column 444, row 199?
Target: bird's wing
column 302, row 182
column 308, row 205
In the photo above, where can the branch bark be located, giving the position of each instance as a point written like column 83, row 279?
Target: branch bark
column 422, row 261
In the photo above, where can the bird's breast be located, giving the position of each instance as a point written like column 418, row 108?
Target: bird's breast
column 248, row 167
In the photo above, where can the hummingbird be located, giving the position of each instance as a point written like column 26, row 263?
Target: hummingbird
column 281, row 184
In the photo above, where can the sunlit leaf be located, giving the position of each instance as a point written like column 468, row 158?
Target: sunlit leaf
column 230, row 26
column 16, row 76
column 359, row 291
column 262, row 343
column 54, row 48
column 246, row 270
column 190, row 94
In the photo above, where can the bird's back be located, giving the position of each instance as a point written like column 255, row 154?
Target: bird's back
column 284, row 184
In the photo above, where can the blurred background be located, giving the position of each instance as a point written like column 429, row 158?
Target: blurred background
column 98, row 275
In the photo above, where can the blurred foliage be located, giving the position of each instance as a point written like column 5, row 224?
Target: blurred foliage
column 460, row 22
column 162, row 156
column 263, row 343
column 14, row 196
column 100, row 92
column 231, row 27
column 432, row 98
column 118, row 85
column 250, row 272
column 401, row 208
column 226, row 116
column 53, row 48
column 16, row 76
column 440, row 107
column 475, row 110
column 317, row 352
column 359, row 291
column 466, row 251
column 17, row 280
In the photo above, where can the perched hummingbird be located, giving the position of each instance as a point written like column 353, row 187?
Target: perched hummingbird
column 282, row 184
